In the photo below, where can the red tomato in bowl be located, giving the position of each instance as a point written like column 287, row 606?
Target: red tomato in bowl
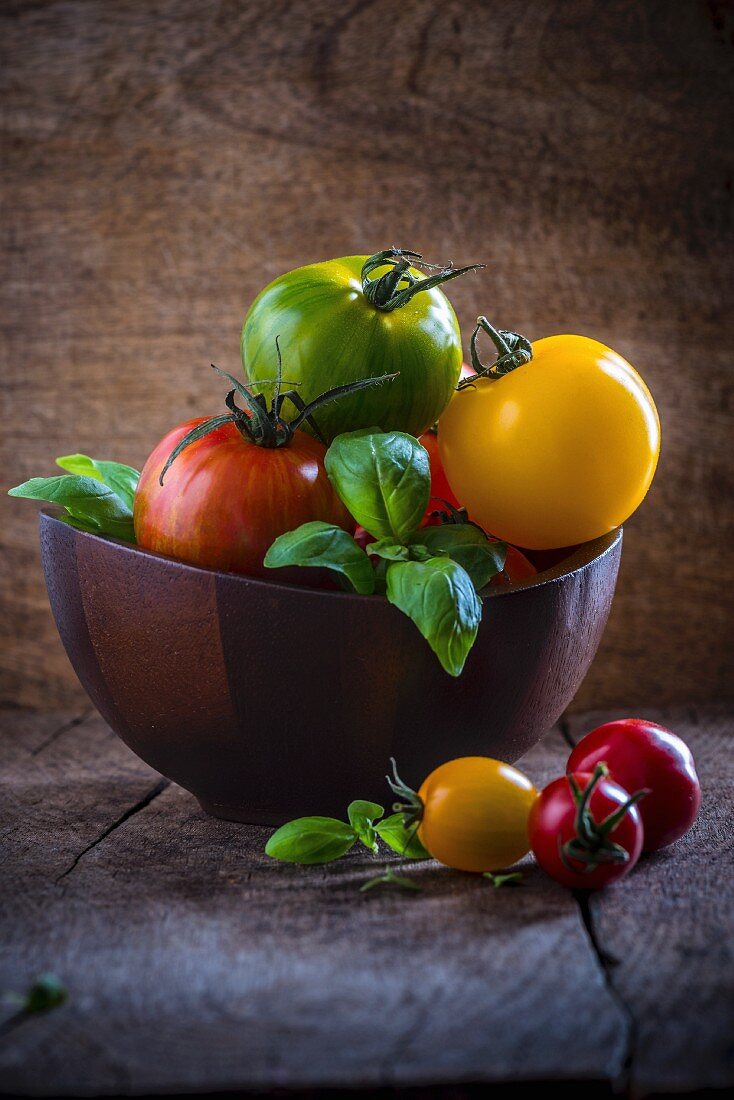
column 440, row 488
column 225, row 500
column 555, row 833
column 517, row 568
column 643, row 754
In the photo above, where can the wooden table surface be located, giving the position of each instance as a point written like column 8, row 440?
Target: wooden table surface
column 194, row 963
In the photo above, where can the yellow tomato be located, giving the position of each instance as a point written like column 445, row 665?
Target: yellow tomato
column 558, row 451
column 475, row 814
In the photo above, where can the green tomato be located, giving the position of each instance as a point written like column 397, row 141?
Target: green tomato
column 353, row 318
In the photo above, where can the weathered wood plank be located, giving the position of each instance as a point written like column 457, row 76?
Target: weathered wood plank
column 667, row 931
column 162, row 162
column 195, row 963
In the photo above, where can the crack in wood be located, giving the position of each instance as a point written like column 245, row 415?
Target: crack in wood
column 565, row 728
column 141, row 804
column 70, row 725
column 607, row 961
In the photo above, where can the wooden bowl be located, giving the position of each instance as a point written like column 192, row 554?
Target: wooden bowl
column 268, row 701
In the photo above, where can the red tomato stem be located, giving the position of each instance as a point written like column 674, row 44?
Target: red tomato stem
column 592, row 843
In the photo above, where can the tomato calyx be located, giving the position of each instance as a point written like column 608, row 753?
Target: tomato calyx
column 592, row 844
column 387, row 293
column 513, row 350
column 263, row 424
column 411, row 806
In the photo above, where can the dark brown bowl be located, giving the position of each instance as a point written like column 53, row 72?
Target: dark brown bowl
column 268, row 700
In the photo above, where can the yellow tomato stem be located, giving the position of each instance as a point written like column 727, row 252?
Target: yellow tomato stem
column 513, row 350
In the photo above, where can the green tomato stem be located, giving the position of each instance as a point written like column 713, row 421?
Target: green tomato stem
column 386, row 292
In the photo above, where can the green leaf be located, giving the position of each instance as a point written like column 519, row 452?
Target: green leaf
column 403, row 841
column 311, row 840
column 389, row 550
column 508, row 878
column 325, row 545
column 465, row 544
column 384, row 480
column 362, row 817
column 389, row 878
column 122, row 479
column 438, row 595
column 91, row 505
column 46, row 992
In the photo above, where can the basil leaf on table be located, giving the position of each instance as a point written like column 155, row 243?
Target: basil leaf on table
column 122, row 479
column 383, row 478
column 438, row 595
column 403, row 841
column 467, row 545
column 311, row 840
column 389, row 878
column 506, row 878
column 46, row 992
column 326, row 546
column 91, row 505
column 362, row 817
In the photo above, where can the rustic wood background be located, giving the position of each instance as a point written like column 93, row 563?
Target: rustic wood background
column 163, row 159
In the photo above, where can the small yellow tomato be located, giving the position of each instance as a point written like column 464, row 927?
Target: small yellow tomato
column 559, row 451
column 475, row 814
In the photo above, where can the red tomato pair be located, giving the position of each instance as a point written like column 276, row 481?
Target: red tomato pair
column 587, row 829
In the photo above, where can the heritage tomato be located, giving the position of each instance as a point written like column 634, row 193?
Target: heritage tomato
column 555, row 445
column 225, row 499
column 642, row 754
column 473, row 813
column 357, row 317
column 218, row 491
column 585, row 830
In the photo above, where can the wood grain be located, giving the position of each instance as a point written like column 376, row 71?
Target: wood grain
column 161, row 162
column 194, row 963
column 667, row 931
column 206, row 676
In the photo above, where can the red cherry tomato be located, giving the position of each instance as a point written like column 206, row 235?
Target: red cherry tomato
column 440, row 488
column 569, row 836
column 363, row 538
column 643, row 754
column 517, row 568
column 225, row 500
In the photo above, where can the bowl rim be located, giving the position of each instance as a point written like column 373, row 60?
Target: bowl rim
column 581, row 558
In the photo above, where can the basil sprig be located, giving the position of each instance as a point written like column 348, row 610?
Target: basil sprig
column 97, row 496
column 325, row 545
column 383, row 478
column 433, row 574
column 322, row 839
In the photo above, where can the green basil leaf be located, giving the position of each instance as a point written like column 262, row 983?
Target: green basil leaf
column 91, row 505
column 507, row 878
column 403, row 841
column 362, row 816
column 311, row 840
column 46, row 992
column 418, row 552
column 122, row 479
column 384, row 480
column 389, row 550
column 438, row 595
column 359, row 810
column 465, row 544
column 325, row 545
column 389, row 878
